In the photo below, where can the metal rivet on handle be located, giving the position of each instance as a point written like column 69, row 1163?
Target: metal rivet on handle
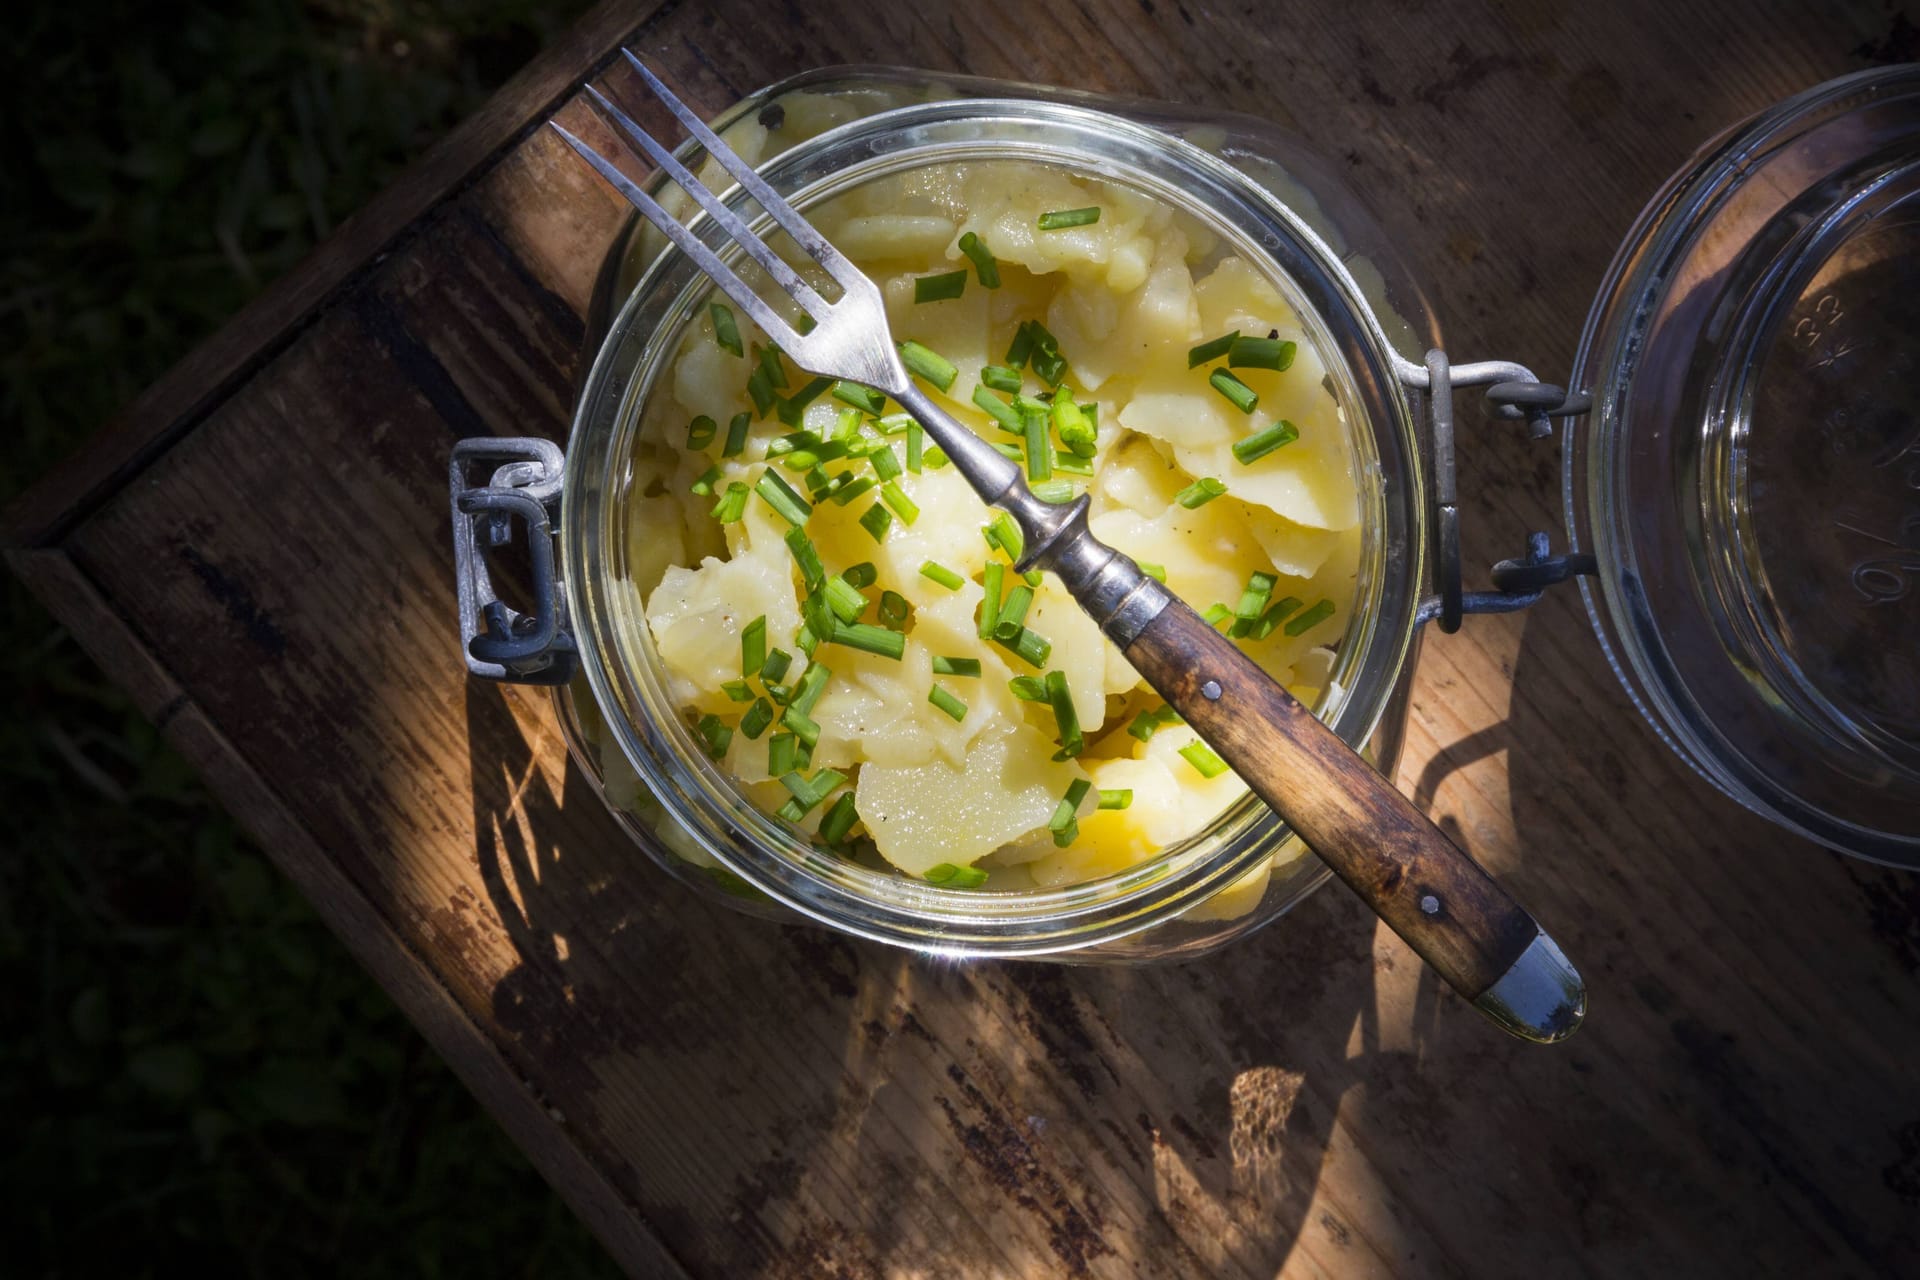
column 1430, row 905
column 1210, row 691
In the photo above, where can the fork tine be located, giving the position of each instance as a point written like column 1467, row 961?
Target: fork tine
column 734, row 225
column 706, row 259
column 803, row 233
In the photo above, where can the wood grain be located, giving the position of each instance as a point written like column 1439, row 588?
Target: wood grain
column 1388, row 852
column 260, row 552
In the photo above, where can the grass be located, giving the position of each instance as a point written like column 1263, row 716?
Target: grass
column 195, row 1073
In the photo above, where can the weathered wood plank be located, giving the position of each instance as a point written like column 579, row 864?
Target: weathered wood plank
column 776, row 1101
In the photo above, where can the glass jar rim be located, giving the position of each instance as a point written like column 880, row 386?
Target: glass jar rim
column 896, row 909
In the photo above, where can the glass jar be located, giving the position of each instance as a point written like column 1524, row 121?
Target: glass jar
column 821, row 134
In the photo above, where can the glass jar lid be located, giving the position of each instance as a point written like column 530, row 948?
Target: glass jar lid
column 1749, row 477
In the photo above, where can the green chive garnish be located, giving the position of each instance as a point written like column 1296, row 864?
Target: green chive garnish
column 1028, row 688
column 1049, row 366
column 957, row 667
column 1013, row 613
column 753, row 647
column 1311, row 618
column 894, row 611
column 876, row 522
column 936, row 458
column 1200, row 493
column 761, row 389
column 999, row 410
column 1212, row 349
column 1202, row 758
column 838, row 824
column 1261, row 353
column 990, row 602
column 732, row 505
column 736, row 435
column 1158, row 572
column 1274, row 617
column 774, row 669
column 700, row 432
column 1000, row 378
column 895, row 497
column 1002, row 532
column 1030, row 647
column 947, row 702
column 885, row 463
column 779, row 495
column 984, row 263
column 715, row 734
column 1061, row 219
column 1118, row 798
column 807, row 792
column 929, row 365
column 1039, row 449
column 794, row 408
column 868, row 638
column 1216, row 614
column 1072, row 465
column 941, row 574
column 846, row 602
column 758, row 717
column 812, row 572
column 1262, row 443
column 767, row 359
column 956, row 877
column 948, row 284
column 1072, row 743
column 782, row 756
column 812, row 685
column 737, row 691
column 916, row 446
column 803, row 727
column 852, row 489
column 1069, row 806
column 703, row 485
column 859, row 397
column 725, row 331
column 861, row 575
column 1021, row 347
column 1054, row 491
column 894, row 423
column 1254, row 598
column 1243, row 396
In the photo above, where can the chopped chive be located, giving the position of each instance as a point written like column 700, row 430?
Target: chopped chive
column 780, row 496
column 846, row 602
column 793, row 442
column 1021, row 348
column 956, row 667
column 1273, row 617
column 700, row 432
column 780, row 693
column 1010, row 451
column 1262, row 443
column 732, row 505
column 812, row 685
column 967, row 878
column 999, row 410
column 736, row 435
column 1000, row 378
column 894, row 423
column 1048, row 365
column 838, row 824
column 794, row 407
column 1069, row 806
column 1006, row 535
column 1030, row 647
column 806, row 640
column 868, row 638
column 1028, row 688
column 1319, row 613
column 1039, row 448
column 916, row 446
column 926, row 363
column 782, row 758
column 876, row 522
column 818, row 616
column 1072, row 743
column 1070, row 420
column 940, row 288
column 1072, row 465
column 807, row 792
column 1031, row 404
column 1054, row 491
column 895, row 497
column 859, row 397
column 861, row 576
column 725, row 331
column 885, row 463
column 940, row 873
column 990, row 602
column 716, row 735
column 1253, row 599
column 984, row 263
column 894, row 611
column 1147, row 723
column 1034, row 577
column 852, row 489
column 758, row 717
column 936, row 458
column 1202, row 758
column 703, row 485
column 947, row 702
column 1061, row 219
column 775, row 667
column 1067, row 835
column 753, row 647
column 1243, row 396
column 737, row 691
column 1118, row 798
column 1216, row 614
column 1261, row 353
column 847, row 425
column 1212, row 349
column 1013, row 613
column 803, row 727
column 762, row 392
column 767, row 358
column 1158, row 572
column 812, row 572
column 1200, row 493
column 941, row 574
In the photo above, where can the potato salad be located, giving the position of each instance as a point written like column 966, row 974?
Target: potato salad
column 838, row 613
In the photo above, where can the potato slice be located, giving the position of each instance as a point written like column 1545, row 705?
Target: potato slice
column 697, row 615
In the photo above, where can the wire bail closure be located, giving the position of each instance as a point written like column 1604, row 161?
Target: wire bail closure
column 1513, row 394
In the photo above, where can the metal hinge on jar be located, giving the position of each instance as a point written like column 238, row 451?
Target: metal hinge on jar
column 1513, row 394
column 500, row 642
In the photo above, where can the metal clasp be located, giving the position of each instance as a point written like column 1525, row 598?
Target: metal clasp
column 499, row 642
column 1513, row 394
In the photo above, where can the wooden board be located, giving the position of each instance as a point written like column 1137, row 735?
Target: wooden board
column 259, row 551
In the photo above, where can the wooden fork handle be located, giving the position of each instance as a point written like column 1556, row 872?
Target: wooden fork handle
column 1435, row 897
